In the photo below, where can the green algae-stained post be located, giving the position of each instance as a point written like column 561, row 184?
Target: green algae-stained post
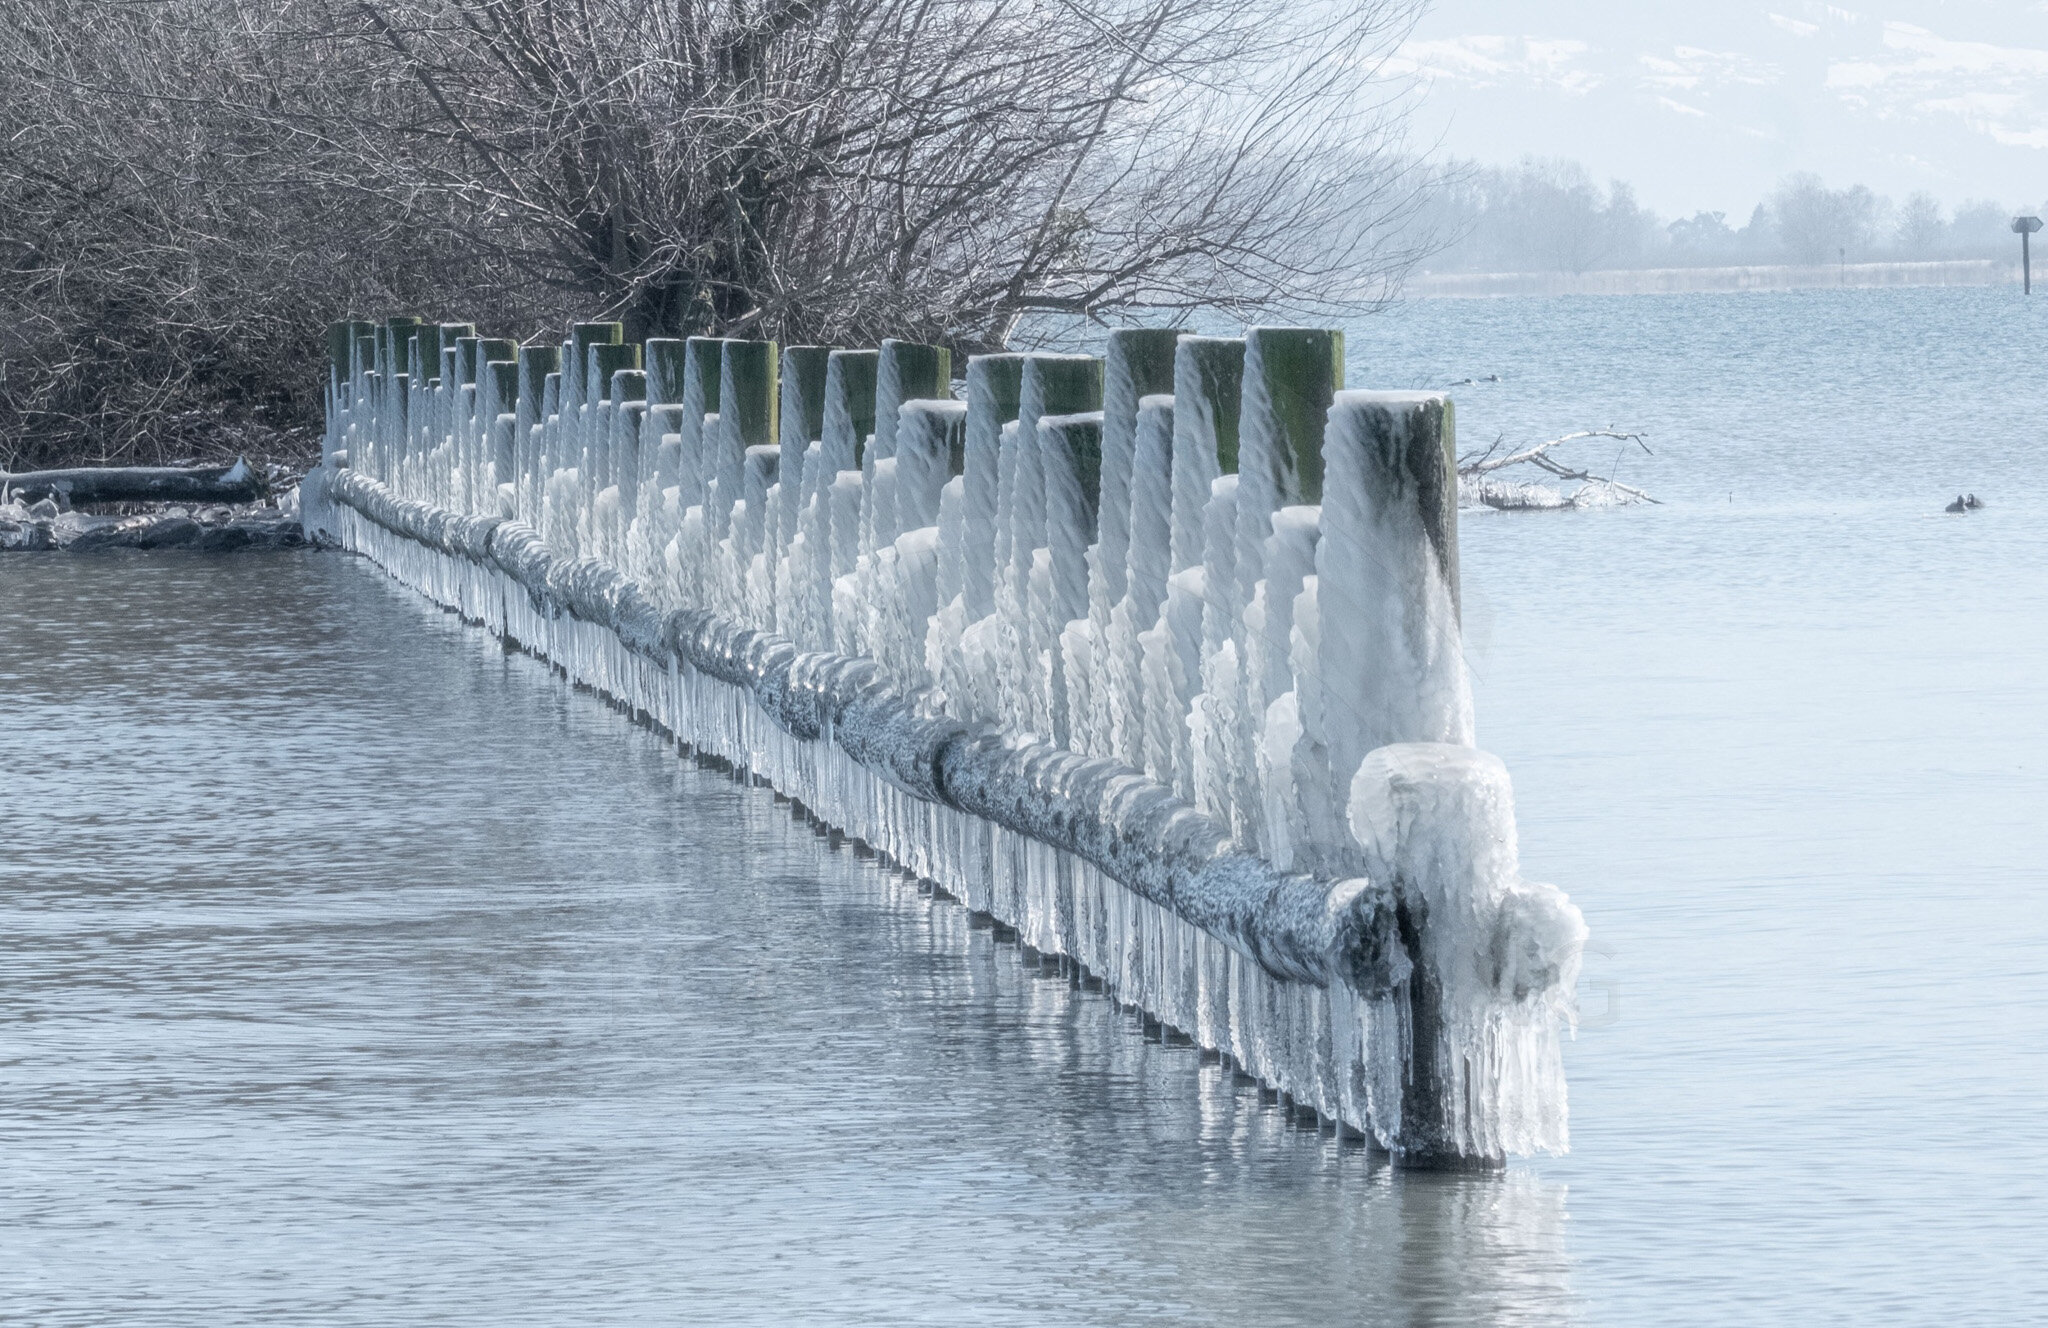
column 747, row 399
column 607, row 359
column 747, row 396
column 339, row 336
column 849, row 407
column 585, row 335
column 801, row 418
column 995, row 388
column 1065, row 385
column 391, row 343
column 1292, row 374
column 1138, row 363
column 664, row 360
column 906, row 371
column 703, row 362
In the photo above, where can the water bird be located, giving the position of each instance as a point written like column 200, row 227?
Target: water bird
column 1957, row 506
column 1973, row 502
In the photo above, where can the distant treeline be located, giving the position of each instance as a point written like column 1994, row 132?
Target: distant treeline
column 1550, row 216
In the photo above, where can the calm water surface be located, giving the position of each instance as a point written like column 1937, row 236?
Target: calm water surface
column 352, row 970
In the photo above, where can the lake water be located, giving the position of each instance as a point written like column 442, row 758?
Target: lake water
column 355, row 971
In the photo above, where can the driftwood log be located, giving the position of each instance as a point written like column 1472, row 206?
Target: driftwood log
column 138, row 484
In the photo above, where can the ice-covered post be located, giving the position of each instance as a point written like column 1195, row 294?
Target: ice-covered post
column 930, row 447
column 1138, row 363
column 747, row 398
column 703, row 363
column 1052, row 385
column 396, row 384
column 1389, row 654
column 905, row 371
column 605, row 360
column 535, row 364
column 1070, row 448
column 800, row 421
column 1290, row 376
column 500, row 414
column 850, row 379
column 994, row 386
column 1208, row 391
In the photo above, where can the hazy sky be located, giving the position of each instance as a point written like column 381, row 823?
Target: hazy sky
column 1705, row 105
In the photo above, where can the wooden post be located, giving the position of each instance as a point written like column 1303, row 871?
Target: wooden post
column 1137, row 364
column 906, row 371
column 1208, row 392
column 747, row 400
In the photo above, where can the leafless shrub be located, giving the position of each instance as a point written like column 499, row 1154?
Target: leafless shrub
column 192, row 188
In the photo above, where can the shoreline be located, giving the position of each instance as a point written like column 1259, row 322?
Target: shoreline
column 1975, row 272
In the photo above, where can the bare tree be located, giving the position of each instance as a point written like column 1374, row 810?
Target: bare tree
column 193, row 186
column 842, row 169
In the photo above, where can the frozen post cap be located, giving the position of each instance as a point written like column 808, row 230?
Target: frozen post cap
column 907, row 371
column 1496, row 957
column 930, row 443
column 628, row 385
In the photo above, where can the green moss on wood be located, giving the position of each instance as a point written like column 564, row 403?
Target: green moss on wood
column 853, row 374
column 1071, row 384
column 747, row 391
column 1303, row 369
column 703, row 358
column 664, row 358
column 1147, row 355
column 803, row 381
column 605, row 359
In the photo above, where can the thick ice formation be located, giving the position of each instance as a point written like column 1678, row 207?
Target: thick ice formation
column 1202, row 727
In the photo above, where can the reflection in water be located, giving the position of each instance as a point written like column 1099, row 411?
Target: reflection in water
column 358, row 970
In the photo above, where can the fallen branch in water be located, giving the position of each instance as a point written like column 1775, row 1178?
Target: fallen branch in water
column 137, row 484
column 1478, row 485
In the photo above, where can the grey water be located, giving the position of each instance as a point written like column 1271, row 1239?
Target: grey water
column 353, row 970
